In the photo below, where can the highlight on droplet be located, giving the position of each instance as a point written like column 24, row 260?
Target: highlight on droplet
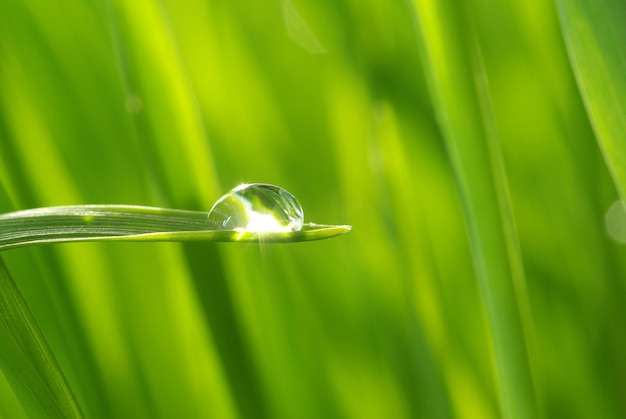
column 257, row 208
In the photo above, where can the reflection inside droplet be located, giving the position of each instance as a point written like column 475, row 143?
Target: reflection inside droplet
column 258, row 208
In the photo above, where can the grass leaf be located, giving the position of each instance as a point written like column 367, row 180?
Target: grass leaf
column 594, row 32
column 452, row 61
column 26, row 359
column 134, row 223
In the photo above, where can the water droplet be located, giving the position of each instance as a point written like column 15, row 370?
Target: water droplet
column 257, row 207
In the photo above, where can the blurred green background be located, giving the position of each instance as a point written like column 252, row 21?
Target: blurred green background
column 474, row 147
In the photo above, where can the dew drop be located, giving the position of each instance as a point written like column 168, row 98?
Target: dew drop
column 257, row 207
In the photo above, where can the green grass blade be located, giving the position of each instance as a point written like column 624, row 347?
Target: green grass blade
column 26, row 359
column 594, row 33
column 134, row 223
column 452, row 61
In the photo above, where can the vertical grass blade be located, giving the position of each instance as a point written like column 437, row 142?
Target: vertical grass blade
column 595, row 34
column 450, row 63
column 26, row 359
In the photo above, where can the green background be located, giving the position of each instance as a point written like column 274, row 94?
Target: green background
column 475, row 148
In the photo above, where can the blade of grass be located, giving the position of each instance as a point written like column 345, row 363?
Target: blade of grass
column 133, row 223
column 26, row 359
column 594, row 33
column 480, row 179
column 501, row 184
